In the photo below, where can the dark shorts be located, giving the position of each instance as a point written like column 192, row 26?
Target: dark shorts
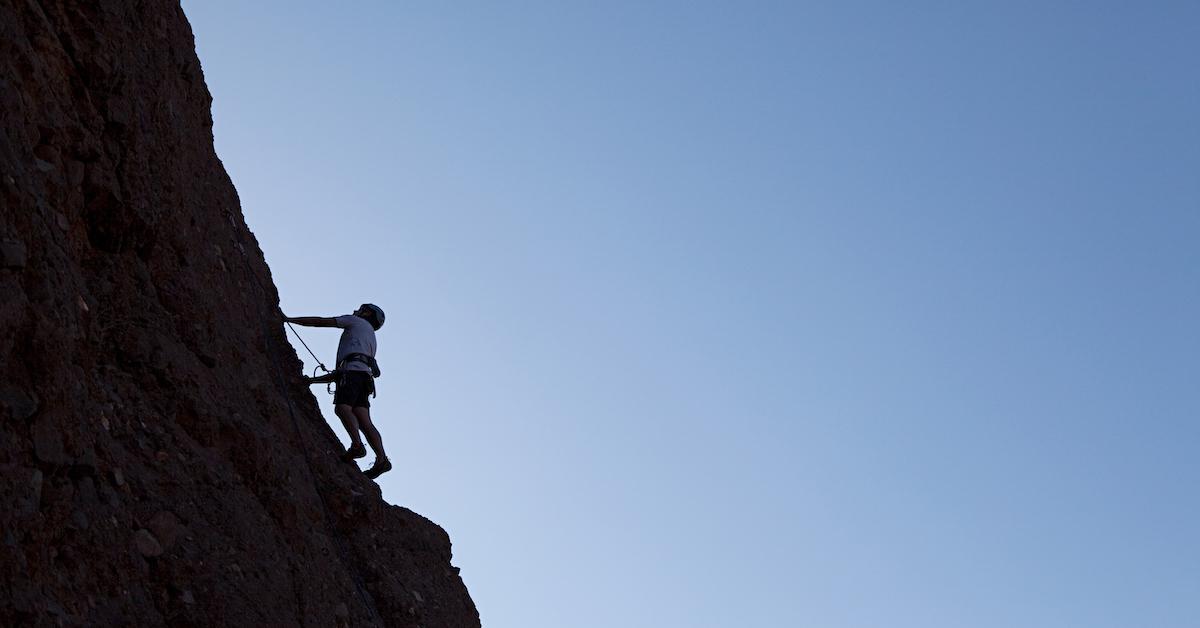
column 354, row 389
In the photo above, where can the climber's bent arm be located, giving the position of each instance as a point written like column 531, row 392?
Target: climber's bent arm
column 324, row 379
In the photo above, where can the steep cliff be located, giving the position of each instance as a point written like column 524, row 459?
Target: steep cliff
column 152, row 469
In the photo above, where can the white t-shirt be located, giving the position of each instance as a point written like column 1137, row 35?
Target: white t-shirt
column 357, row 337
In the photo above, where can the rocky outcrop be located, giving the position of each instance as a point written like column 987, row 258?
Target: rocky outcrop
column 157, row 465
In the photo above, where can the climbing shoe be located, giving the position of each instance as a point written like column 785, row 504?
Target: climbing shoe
column 356, row 451
column 381, row 466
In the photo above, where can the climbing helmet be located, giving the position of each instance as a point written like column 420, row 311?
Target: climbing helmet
column 373, row 313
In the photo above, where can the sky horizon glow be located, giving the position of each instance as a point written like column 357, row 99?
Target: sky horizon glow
column 783, row 314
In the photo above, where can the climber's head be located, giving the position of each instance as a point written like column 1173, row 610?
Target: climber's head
column 372, row 313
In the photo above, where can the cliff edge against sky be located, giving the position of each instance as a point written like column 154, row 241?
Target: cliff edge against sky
column 151, row 469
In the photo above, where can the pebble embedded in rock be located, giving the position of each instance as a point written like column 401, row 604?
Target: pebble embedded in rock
column 147, row 544
column 48, row 443
column 13, row 253
column 35, row 483
column 165, row 526
column 19, row 404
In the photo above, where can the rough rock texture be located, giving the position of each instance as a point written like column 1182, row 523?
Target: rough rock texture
column 151, row 472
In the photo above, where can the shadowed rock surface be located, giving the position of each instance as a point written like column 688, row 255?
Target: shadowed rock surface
column 151, row 472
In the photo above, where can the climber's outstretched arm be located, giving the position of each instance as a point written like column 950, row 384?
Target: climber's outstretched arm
column 311, row 321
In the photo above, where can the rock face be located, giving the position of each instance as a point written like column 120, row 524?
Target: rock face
column 158, row 464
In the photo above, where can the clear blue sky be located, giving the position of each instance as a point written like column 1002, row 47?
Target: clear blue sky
column 843, row 315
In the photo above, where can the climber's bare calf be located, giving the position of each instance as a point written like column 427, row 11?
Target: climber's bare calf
column 350, row 422
column 358, row 420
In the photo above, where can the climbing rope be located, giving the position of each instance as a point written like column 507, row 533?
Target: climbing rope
column 310, row 351
column 363, row 594
column 329, row 386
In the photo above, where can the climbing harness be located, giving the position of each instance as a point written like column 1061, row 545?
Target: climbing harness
column 365, row 359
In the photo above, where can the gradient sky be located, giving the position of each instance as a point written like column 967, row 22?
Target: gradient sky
column 770, row 314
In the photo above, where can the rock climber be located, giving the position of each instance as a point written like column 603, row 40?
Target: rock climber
column 355, row 378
